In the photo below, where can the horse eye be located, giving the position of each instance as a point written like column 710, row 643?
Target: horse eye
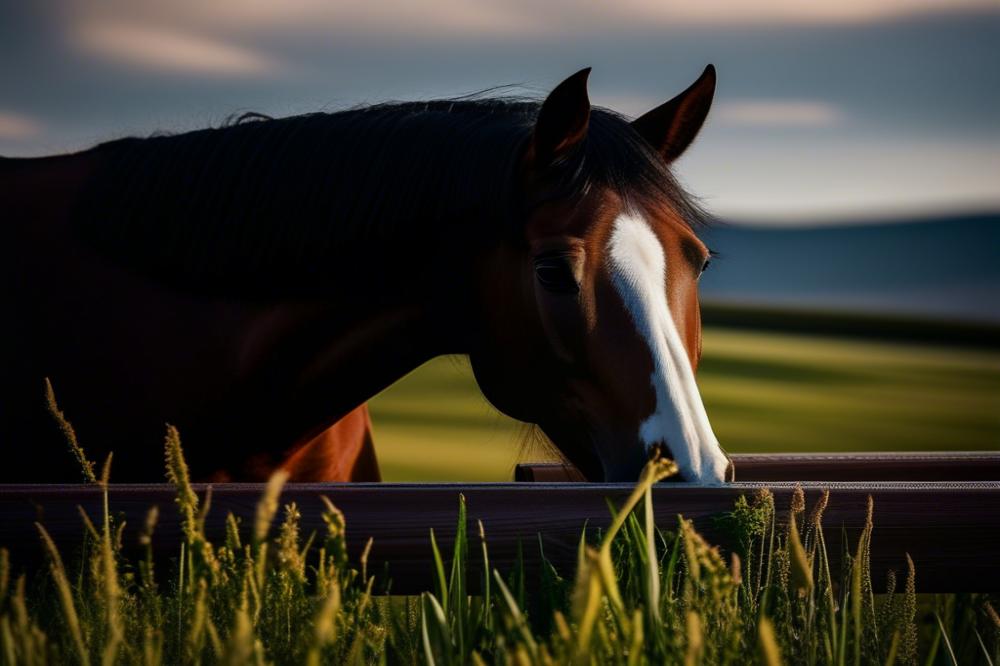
column 555, row 274
column 708, row 262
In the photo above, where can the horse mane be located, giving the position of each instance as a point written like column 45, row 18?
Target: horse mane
column 259, row 205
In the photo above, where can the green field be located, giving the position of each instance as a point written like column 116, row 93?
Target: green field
column 764, row 392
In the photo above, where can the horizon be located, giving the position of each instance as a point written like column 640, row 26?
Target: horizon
column 876, row 218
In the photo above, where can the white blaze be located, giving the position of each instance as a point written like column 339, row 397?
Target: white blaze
column 638, row 270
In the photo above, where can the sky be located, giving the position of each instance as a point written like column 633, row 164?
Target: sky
column 846, row 110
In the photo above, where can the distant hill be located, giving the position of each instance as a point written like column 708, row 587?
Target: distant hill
column 942, row 267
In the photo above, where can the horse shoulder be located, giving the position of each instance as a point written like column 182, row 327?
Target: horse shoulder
column 343, row 452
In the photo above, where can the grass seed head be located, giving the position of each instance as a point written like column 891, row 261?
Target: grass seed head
column 336, row 534
column 86, row 466
column 149, row 526
column 267, row 507
column 290, row 560
column 816, row 519
column 801, row 565
column 798, row 500
column 734, row 569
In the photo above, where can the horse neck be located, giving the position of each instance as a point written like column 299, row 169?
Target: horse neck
column 329, row 356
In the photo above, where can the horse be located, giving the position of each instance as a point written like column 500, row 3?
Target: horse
column 254, row 284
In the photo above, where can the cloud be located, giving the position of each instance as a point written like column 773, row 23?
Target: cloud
column 777, row 113
column 169, row 50
column 769, row 12
column 17, row 127
column 513, row 19
column 254, row 18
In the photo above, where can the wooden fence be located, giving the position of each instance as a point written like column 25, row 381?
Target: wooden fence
column 942, row 509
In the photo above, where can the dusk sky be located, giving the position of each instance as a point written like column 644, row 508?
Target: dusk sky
column 825, row 110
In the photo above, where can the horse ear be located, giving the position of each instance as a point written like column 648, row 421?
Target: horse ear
column 671, row 127
column 562, row 121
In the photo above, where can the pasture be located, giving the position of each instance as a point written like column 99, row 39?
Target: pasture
column 765, row 392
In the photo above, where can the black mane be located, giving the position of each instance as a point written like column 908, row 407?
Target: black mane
column 231, row 209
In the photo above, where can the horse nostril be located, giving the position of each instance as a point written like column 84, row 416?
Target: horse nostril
column 730, row 470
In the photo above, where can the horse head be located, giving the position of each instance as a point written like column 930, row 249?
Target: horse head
column 590, row 324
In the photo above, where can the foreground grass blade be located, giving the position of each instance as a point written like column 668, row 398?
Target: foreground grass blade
column 947, row 642
column 770, row 654
column 65, row 594
column 442, row 584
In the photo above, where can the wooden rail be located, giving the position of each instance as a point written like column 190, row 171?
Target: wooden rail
column 953, row 466
column 950, row 527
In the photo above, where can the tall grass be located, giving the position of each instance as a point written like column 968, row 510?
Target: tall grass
column 641, row 594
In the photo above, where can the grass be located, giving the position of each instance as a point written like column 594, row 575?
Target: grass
column 765, row 392
column 641, row 594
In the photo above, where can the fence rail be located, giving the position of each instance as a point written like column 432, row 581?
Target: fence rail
column 952, row 466
column 949, row 526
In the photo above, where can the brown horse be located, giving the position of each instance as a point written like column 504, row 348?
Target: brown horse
column 256, row 283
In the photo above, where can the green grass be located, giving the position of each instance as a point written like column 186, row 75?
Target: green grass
column 765, row 392
column 435, row 425
column 641, row 594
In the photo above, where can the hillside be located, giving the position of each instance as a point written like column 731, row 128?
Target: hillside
column 943, row 267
